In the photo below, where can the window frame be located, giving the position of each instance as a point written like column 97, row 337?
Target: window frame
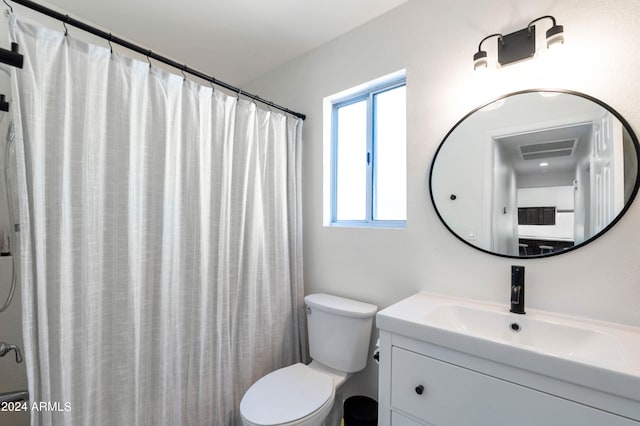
column 368, row 94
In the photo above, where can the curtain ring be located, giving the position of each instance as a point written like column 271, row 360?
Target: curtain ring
column 110, row 45
column 238, row 94
column 64, row 24
column 149, row 53
column 184, row 77
column 8, row 5
column 213, row 88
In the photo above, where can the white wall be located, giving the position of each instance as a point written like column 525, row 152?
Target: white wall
column 504, row 208
column 435, row 41
column 472, row 153
column 560, row 197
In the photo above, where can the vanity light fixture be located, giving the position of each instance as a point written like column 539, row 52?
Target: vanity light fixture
column 545, row 164
column 480, row 57
column 555, row 34
column 519, row 45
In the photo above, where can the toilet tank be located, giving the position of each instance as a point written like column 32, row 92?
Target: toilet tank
column 339, row 331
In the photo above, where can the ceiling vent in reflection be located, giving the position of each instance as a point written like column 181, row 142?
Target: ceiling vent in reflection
column 538, row 151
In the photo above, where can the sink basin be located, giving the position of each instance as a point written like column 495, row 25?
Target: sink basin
column 535, row 331
column 595, row 354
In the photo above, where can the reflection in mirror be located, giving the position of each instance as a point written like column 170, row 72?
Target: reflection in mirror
column 535, row 173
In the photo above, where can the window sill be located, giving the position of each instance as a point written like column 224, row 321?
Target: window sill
column 381, row 224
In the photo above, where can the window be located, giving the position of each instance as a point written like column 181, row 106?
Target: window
column 368, row 157
column 536, row 215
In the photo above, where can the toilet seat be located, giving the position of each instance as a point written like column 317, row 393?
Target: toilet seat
column 287, row 395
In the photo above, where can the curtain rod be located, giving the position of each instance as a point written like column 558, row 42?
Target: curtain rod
column 146, row 52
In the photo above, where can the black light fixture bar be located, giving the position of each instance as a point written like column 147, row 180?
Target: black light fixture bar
column 519, row 45
column 66, row 19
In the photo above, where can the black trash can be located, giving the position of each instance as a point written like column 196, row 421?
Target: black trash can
column 360, row 411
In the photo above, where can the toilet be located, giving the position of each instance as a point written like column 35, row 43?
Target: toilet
column 339, row 330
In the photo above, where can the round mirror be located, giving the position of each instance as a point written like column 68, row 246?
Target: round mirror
column 535, row 173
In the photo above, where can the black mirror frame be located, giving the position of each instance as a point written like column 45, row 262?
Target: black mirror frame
column 569, row 249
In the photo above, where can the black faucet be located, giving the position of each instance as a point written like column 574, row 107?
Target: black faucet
column 517, row 289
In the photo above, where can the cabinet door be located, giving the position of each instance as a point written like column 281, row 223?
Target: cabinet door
column 447, row 395
column 400, row 420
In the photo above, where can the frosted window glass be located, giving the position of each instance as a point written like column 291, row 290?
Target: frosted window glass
column 351, row 164
column 390, row 194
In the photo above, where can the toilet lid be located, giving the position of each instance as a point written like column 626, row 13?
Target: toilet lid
column 286, row 395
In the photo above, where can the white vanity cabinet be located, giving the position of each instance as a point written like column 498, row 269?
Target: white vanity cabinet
column 426, row 384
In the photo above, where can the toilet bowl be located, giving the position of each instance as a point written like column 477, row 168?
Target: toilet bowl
column 303, row 395
column 300, row 395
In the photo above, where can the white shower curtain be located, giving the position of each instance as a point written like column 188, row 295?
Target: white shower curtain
column 161, row 238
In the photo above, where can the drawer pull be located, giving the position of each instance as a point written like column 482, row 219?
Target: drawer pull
column 419, row 389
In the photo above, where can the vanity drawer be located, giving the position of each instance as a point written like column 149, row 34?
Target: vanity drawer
column 443, row 394
column 400, row 420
